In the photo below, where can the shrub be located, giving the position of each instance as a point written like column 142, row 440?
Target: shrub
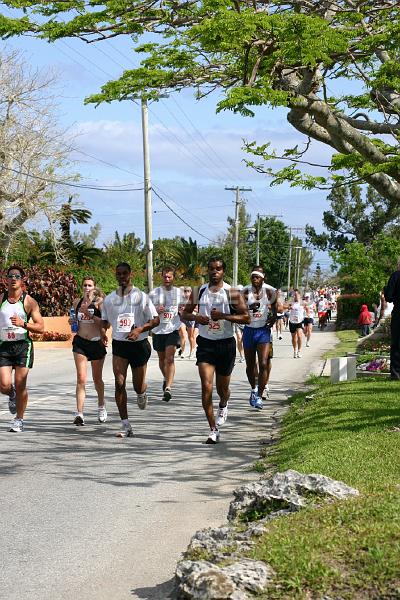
column 50, row 336
column 349, row 306
column 53, row 290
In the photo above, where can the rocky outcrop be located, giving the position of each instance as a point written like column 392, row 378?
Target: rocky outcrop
column 199, row 577
column 288, row 491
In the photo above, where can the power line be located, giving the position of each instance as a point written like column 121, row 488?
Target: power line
column 180, row 218
column 75, row 185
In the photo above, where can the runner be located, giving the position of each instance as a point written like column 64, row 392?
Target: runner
column 322, row 312
column 219, row 308
column 261, row 299
column 16, row 347
column 88, row 346
column 166, row 300
column 188, row 329
column 309, row 308
column 296, row 318
column 132, row 315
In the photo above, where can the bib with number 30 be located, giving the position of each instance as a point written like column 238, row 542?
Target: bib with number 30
column 125, row 322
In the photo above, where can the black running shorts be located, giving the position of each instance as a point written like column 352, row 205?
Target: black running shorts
column 16, row 354
column 93, row 350
column 136, row 353
column 294, row 326
column 220, row 353
column 162, row 340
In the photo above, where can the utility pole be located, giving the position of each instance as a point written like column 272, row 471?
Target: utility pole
column 258, row 240
column 298, row 267
column 236, row 189
column 290, row 260
column 148, row 226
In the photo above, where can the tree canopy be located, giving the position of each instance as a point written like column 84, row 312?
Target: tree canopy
column 355, row 214
column 334, row 65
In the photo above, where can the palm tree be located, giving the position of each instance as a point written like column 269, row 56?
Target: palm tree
column 67, row 215
column 187, row 259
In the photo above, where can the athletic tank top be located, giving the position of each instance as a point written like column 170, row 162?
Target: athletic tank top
column 215, row 330
column 82, row 318
column 258, row 308
column 170, row 300
column 296, row 313
column 8, row 332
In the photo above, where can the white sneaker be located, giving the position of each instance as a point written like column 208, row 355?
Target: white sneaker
column 125, row 432
column 307, row 345
column 16, row 426
column 266, row 392
column 102, row 414
column 222, row 415
column 295, row 354
column 298, row 355
column 141, row 400
column 79, row 419
column 213, row 437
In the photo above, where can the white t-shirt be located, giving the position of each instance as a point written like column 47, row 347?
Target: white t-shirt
column 215, row 330
column 170, row 300
column 134, row 309
column 322, row 305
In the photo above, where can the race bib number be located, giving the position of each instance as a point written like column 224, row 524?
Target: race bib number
column 125, row 322
column 86, row 319
column 294, row 317
column 257, row 316
column 12, row 334
column 168, row 314
column 215, row 327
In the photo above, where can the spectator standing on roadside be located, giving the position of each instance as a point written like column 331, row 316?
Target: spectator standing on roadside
column 392, row 294
column 365, row 320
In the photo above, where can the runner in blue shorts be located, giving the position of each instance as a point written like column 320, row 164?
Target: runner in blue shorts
column 261, row 300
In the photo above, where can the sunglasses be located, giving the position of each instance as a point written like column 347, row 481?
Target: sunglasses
column 14, row 276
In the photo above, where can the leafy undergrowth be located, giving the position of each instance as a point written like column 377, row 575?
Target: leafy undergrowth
column 349, row 549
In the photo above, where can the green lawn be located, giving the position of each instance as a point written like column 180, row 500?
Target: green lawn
column 349, row 549
column 347, row 343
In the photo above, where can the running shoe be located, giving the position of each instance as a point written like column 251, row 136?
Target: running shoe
column 258, row 404
column 294, row 354
column 12, row 400
column 280, row 337
column 222, row 415
column 79, row 419
column 167, row 394
column 16, row 426
column 141, row 400
column 298, row 355
column 307, row 345
column 213, row 437
column 265, row 392
column 252, row 399
column 102, row 414
column 125, row 431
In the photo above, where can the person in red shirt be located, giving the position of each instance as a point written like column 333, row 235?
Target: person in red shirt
column 365, row 320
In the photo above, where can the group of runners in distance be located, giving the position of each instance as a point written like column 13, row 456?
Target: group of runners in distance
column 223, row 316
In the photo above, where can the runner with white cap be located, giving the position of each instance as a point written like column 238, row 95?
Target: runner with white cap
column 309, row 308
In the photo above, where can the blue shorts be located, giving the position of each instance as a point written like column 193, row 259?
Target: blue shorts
column 252, row 336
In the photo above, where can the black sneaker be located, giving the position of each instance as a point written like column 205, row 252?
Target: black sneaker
column 167, row 394
column 79, row 420
column 12, row 401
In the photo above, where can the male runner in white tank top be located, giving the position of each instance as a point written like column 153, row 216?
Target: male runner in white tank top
column 166, row 299
column 219, row 307
column 16, row 347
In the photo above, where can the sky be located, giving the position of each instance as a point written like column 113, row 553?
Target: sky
column 194, row 152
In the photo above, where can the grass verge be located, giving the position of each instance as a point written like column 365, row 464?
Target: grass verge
column 349, row 549
column 347, row 343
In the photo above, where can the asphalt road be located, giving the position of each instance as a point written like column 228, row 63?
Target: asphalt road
column 86, row 515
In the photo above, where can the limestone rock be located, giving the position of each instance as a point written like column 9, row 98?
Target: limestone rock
column 219, row 542
column 288, row 491
column 201, row 580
